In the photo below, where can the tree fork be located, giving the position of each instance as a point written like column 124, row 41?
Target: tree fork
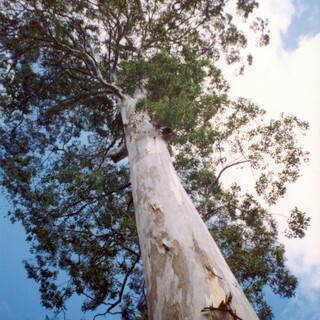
column 185, row 273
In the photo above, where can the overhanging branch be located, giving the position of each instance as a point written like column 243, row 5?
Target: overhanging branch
column 124, row 282
column 224, row 169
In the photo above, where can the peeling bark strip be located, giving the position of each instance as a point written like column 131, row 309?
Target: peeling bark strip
column 186, row 276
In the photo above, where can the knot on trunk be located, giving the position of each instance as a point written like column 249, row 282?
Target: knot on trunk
column 166, row 133
column 120, row 153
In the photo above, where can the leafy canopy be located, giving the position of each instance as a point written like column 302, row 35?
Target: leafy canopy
column 63, row 65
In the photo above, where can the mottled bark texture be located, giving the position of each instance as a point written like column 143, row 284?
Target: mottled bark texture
column 186, row 276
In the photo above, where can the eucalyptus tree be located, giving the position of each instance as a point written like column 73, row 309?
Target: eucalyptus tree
column 88, row 84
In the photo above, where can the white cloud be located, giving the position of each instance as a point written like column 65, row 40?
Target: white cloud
column 281, row 13
column 289, row 82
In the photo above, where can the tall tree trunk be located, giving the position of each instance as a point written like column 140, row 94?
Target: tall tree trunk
column 185, row 273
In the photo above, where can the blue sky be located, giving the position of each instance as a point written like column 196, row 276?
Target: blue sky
column 306, row 21
column 290, row 62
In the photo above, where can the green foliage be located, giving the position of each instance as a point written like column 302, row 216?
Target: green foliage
column 59, row 122
column 297, row 224
column 248, row 239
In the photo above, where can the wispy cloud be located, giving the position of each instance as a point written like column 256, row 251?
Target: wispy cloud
column 288, row 81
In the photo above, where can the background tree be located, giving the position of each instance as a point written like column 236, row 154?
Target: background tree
column 65, row 68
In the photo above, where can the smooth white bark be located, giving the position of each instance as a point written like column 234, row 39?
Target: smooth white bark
column 183, row 268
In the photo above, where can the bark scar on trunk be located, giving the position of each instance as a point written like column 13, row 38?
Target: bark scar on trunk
column 155, row 207
column 204, row 259
column 223, row 308
column 209, row 269
column 167, row 249
column 159, row 215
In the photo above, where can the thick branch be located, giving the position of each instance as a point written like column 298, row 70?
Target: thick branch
column 86, row 56
column 93, row 67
